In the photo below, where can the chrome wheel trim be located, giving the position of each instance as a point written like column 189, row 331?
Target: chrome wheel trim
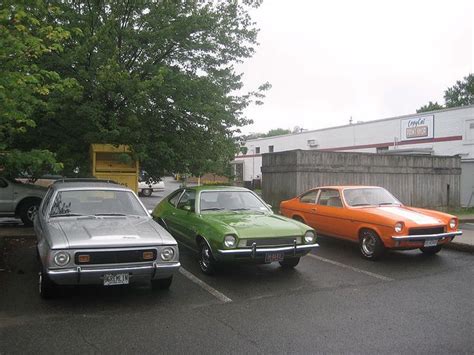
column 31, row 211
column 205, row 259
column 368, row 244
column 40, row 283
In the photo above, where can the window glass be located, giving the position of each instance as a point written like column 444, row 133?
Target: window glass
column 330, row 198
column 173, row 199
column 309, row 197
column 369, row 196
column 46, row 200
column 188, row 198
column 257, row 150
column 96, row 202
column 231, row 201
column 270, row 148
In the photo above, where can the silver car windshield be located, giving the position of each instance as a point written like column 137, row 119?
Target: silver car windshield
column 231, row 201
column 369, row 197
column 95, row 202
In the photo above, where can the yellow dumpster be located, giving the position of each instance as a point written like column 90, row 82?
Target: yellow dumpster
column 115, row 163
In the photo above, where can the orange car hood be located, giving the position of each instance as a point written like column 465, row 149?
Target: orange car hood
column 403, row 214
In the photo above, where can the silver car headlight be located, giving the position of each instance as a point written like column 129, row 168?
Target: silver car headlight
column 61, row 258
column 398, row 227
column 309, row 237
column 230, row 241
column 452, row 223
column 167, row 254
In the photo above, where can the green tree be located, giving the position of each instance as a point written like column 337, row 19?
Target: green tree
column 460, row 94
column 156, row 75
column 25, row 85
column 431, row 106
column 277, row 132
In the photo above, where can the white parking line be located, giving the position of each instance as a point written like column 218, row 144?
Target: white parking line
column 377, row 276
column 220, row 296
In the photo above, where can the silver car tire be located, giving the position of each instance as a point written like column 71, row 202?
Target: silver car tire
column 46, row 288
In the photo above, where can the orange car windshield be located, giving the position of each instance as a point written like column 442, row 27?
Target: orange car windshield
column 369, row 197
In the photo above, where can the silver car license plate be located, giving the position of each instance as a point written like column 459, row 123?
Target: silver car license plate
column 431, row 243
column 116, row 279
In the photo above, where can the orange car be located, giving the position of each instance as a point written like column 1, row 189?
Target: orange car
column 372, row 217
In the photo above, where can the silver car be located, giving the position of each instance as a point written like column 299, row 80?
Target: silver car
column 98, row 232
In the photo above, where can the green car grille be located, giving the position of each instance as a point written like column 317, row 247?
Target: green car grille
column 273, row 241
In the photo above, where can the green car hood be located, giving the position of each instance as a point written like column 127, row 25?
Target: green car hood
column 248, row 225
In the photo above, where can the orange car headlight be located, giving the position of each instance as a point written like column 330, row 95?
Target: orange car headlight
column 398, row 227
column 452, row 223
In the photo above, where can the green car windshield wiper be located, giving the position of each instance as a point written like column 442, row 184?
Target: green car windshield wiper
column 240, row 209
column 212, row 209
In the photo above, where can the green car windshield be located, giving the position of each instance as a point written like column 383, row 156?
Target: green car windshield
column 230, row 201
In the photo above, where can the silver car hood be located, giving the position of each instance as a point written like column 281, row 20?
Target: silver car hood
column 110, row 232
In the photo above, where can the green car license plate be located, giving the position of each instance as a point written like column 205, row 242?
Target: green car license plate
column 274, row 256
column 116, row 279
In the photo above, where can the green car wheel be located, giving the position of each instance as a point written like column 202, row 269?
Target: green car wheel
column 207, row 263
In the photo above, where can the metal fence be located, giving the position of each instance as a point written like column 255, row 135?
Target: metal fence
column 417, row 180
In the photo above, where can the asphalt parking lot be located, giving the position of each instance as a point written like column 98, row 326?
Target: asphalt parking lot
column 333, row 302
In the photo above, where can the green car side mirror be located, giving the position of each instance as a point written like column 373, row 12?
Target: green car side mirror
column 187, row 208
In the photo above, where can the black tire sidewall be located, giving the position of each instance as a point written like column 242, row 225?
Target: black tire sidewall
column 25, row 206
column 146, row 192
column 379, row 247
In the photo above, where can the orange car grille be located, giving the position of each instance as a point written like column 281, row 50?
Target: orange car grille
column 429, row 230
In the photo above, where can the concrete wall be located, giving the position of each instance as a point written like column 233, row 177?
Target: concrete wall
column 420, row 181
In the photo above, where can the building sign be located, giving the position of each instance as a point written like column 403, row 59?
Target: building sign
column 421, row 127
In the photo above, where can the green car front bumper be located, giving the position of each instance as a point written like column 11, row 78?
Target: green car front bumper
column 255, row 252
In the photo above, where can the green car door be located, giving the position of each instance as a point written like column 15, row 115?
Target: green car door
column 181, row 218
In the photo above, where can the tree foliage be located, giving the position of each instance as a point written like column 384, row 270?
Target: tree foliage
column 25, row 84
column 156, row 75
column 460, row 94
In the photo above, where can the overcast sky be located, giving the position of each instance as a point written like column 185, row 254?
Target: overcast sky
column 329, row 60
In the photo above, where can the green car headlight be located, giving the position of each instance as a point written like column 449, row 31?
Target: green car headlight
column 309, row 237
column 230, row 241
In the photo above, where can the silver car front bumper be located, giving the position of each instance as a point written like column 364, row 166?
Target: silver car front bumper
column 93, row 275
column 254, row 250
column 419, row 238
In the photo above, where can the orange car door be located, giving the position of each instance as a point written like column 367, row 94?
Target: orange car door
column 307, row 206
column 332, row 215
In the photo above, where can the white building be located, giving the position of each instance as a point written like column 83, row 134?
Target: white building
column 443, row 132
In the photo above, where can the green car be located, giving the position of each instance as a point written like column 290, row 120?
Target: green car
column 232, row 224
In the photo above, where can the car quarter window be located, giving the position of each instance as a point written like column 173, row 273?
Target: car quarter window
column 330, row 197
column 46, row 200
column 174, row 198
column 309, row 197
column 188, row 198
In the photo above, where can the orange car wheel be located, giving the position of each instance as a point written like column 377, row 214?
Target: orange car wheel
column 370, row 245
